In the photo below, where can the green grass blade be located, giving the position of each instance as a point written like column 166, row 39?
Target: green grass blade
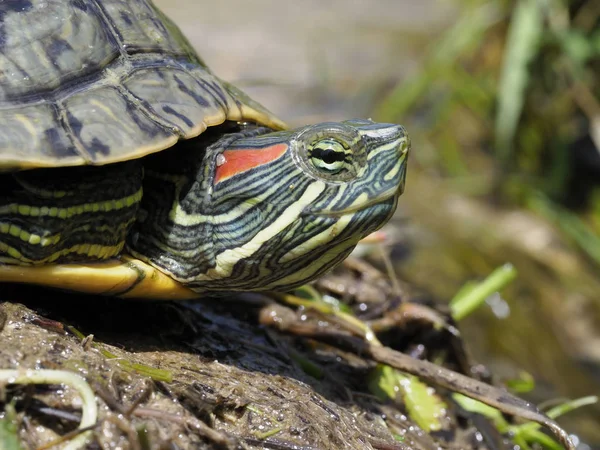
column 464, row 36
column 424, row 406
column 9, row 439
column 523, row 43
column 471, row 296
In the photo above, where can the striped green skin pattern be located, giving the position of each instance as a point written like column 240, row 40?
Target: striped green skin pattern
column 68, row 214
column 269, row 211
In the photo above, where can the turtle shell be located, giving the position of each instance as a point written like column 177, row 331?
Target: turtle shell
column 101, row 81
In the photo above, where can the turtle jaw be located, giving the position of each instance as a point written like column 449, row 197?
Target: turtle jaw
column 361, row 205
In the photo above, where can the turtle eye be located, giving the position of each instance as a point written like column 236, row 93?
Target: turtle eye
column 332, row 152
column 328, row 156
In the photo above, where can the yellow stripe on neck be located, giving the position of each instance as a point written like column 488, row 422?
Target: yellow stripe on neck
column 64, row 213
column 94, row 250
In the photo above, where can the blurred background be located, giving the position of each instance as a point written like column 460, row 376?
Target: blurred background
column 502, row 101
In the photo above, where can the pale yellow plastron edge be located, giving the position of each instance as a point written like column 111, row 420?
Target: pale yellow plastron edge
column 126, row 277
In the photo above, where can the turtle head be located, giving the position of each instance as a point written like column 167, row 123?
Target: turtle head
column 273, row 210
column 289, row 205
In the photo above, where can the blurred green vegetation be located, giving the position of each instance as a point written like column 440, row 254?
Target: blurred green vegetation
column 505, row 104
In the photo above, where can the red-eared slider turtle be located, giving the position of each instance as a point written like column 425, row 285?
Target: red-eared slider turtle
column 129, row 169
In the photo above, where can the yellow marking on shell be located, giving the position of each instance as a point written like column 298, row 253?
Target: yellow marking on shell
column 125, row 277
column 27, row 125
column 108, row 111
column 42, row 56
column 64, row 213
column 226, row 260
column 151, row 82
column 67, row 31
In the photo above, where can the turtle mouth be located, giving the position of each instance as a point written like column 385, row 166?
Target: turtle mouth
column 391, row 193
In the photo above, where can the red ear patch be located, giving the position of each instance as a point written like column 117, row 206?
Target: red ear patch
column 234, row 162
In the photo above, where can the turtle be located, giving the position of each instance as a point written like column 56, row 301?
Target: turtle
column 127, row 168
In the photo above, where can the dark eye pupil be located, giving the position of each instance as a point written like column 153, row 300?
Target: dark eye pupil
column 328, row 156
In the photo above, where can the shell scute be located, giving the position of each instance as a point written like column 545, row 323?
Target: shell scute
column 102, row 81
